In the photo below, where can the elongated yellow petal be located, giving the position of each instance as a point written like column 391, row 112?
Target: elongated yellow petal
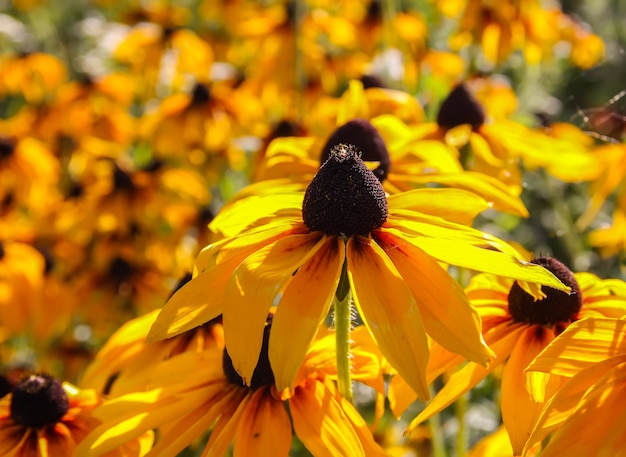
column 458, row 252
column 389, row 311
column 565, row 401
column 303, row 306
column 438, row 297
column 502, row 342
column 265, row 428
column 455, row 205
column 225, row 429
column 581, row 345
column 519, row 411
column 597, row 427
column 252, row 290
column 321, row 424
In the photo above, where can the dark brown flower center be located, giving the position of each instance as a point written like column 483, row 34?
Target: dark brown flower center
column 461, row 107
column 344, row 197
column 38, row 400
column 557, row 307
column 7, row 147
column 263, row 375
column 363, row 135
column 200, row 95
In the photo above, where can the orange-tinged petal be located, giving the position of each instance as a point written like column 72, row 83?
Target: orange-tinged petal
column 502, row 342
column 225, row 429
column 265, row 428
column 455, row 205
column 519, row 411
column 565, row 401
column 582, row 344
column 321, row 424
column 389, row 311
column 438, row 297
column 597, row 428
column 252, row 290
column 303, row 306
column 194, row 304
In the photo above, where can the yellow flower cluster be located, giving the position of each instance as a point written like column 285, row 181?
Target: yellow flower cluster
column 232, row 227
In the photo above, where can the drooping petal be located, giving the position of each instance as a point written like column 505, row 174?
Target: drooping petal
column 252, row 290
column 567, row 399
column 303, row 306
column 439, row 297
column 519, row 411
column 265, row 427
column 455, row 250
column 225, row 429
column 389, row 311
column 582, row 344
column 321, row 424
column 502, row 342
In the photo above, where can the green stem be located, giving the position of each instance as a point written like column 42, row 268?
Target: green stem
column 436, row 435
column 343, row 325
column 460, row 407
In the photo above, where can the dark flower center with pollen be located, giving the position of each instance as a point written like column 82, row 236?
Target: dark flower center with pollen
column 461, row 107
column 263, row 374
column 363, row 135
column 344, row 197
column 38, row 400
column 557, row 307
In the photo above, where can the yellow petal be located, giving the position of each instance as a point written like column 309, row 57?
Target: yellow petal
column 225, row 429
column 389, row 311
column 321, row 424
column 455, row 205
column 438, row 297
column 519, row 411
column 252, row 290
column 502, row 341
column 255, row 435
column 303, row 306
column 581, row 345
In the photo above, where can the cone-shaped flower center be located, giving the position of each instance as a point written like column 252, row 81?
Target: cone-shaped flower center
column 263, row 374
column 38, row 400
column 556, row 307
column 344, row 197
column 363, row 135
column 461, row 107
column 200, row 95
column 122, row 181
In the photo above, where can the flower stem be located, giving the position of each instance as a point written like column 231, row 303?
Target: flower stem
column 343, row 325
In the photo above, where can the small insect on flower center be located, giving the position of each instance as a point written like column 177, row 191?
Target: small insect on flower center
column 263, row 375
column 361, row 134
column 556, row 308
column 38, row 400
column 461, row 107
column 344, row 197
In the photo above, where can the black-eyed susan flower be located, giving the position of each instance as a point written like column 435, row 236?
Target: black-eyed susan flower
column 591, row 355
column 292, row 248
column 216, row 399
column 33, row 75
column 42, row 417
column 517, row 327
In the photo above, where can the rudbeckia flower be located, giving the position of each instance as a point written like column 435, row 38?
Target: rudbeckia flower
column 517, row 327
column 42, row 417
column 215, row 399
column 292, row 249
column 33, row 75
column 585, row 416
column 500, row 146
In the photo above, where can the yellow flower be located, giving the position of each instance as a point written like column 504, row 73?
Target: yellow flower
column 214, row 398
column 42, row 417
column 585, row 415
column 517, row 328
column 292, row 248
column 34, row 75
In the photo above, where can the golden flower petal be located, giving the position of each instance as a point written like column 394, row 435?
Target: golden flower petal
column 252, row 290
column 303, row 306
column 389, row 311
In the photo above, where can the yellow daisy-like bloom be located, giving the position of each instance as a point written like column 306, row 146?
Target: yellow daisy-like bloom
column 591, row 354
column 184, row 407
column 34, row 75
column 293, row 247
column 517, row 327
column 42, row 417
